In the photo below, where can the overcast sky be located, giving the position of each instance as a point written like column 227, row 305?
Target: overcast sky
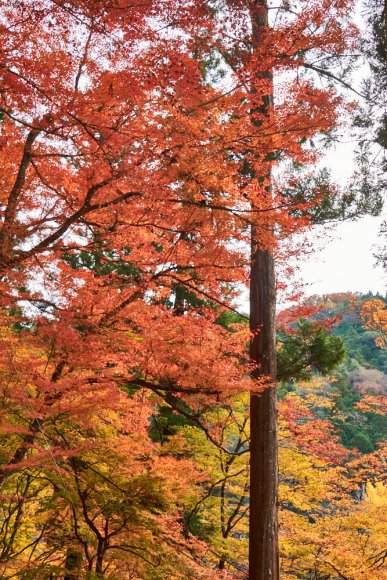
column 346, row 263
column 346, row 259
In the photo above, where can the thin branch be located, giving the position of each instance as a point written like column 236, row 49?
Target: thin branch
column 83, row 59
column 329, row 74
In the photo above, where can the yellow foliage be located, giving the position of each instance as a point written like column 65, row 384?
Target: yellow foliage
column 374, row 314
column 377, row 493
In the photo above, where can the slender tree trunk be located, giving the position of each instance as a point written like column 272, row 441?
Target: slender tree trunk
column 263, row 533
column 73, row 564
column 99, row 563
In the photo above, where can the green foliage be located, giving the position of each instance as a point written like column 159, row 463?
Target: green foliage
column 165, row 422
column 370, row 121
column 329, row 202
column 104, row 262
column 359, row 440
column 357, row 429
column 227, row 319
column 311, row 349
column 362, row 365
column 359, row 342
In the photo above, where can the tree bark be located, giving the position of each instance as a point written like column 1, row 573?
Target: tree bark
column 263, row 531
column 385, row 24
column 73, row 564
column 13, row 199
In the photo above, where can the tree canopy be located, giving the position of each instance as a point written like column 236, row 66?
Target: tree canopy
column 143, row 146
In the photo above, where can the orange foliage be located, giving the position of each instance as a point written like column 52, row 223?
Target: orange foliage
column 374, row 314
column 126, row 179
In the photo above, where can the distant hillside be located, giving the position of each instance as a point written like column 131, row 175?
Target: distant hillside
column 364, row 371
column 359, row 342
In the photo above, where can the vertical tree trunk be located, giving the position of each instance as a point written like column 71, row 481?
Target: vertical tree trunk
column 73, row 564
column 263, row 533
column 385, row 24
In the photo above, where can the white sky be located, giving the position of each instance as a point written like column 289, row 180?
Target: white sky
column 346, row 263
column 345, row 260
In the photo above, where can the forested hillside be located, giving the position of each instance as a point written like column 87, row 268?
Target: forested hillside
column 359, row 341
column 361, row 374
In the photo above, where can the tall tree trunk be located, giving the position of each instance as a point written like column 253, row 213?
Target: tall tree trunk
column 263, row 533
column 385, row 25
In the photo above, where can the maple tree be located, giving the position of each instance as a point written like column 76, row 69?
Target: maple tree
column 87, row 489
column 326, row 491
column 132, row 178
column 374, row 314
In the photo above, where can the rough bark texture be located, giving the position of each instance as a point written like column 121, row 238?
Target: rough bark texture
column 385, row 23
column 13, row 199
column 263, row 546
column 263, row 533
